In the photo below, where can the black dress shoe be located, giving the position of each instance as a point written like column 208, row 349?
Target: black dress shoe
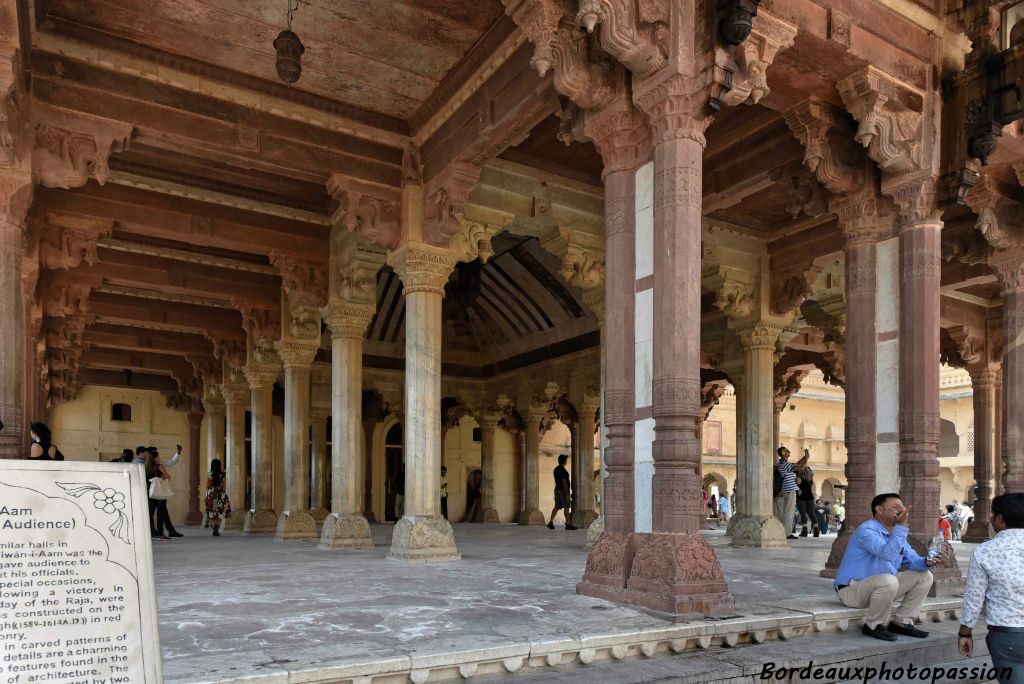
column 907, row 630
column 878, row 632
column 175, row 534
column 792, row 536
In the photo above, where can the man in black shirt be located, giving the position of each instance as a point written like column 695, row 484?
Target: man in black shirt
column 562, row 496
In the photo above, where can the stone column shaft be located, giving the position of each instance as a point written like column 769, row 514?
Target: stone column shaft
column 13, row 365
column 584, row 513
column 235, row 401
column 318, row 466
column 261, row 517
column 1009, row 266
column 756, row 525
column 531, row 513
column 487, row 465
column 984, row 385
column 295, row 521
column 194, row 515
column 422, row 534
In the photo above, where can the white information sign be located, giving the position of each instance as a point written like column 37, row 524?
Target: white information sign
column 77, row 598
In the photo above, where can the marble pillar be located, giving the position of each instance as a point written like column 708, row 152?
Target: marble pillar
column 296, row 522
column 318, row 464
column 858, row 218
column 1009, row 267
column 422, row 534
column 346, row 526
column 984, row 383
column 531, row 513
column 15, row 195
column 738, row 381
column 261, row 517
column 920, row 284
column 675, row 570
column 584, row 514
column 488, row 424
column 623, row 140
column 756, row 525
column 236, row 398
column 193, row 513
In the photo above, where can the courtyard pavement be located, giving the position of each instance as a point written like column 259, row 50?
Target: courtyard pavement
column 235, row 606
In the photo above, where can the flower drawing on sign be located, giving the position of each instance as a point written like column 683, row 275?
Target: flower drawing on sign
column 106, row 500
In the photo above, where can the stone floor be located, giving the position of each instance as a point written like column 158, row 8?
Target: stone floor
column 235, row 607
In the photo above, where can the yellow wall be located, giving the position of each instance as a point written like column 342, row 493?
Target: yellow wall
column 83, row 431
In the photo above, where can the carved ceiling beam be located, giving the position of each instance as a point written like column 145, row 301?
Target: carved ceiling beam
column 70, row 147
column 131, row 339
column 890, row 117
column 750, row 60
column 173, row 316
column 160, row 252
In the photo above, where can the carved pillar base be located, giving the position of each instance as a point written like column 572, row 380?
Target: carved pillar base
column 608, row 565
column 531, row 518
column 949, row 580
column 758, row 531
column 977, row 532
column 235, row 523
column 491, row 516
column 594, row 531
column 345, row 531
column 835, row 555
column 583, row 519
column 423, row 539
column 319, row 514
column 296, row 525
column 260, row 522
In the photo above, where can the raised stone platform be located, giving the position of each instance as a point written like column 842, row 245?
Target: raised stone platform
column 238, row 608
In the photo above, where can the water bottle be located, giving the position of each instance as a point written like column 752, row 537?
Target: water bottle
column 935, row 546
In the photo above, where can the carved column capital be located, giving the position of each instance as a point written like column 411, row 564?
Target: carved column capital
column 676, row 109
column 235, row 393
column 213, row 399
column 1009, row 267
column 830, row 151
column 915, row 201
column 759, row 334
column 260, row 319
column 297, row 353
column 890, row 116
column 348, row 322
column 422, row 268
column 858, row 216
column 444, row 202
column 261, row 376
column 621, row 136
column 751, row 59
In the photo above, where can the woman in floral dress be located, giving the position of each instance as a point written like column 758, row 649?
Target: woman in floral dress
column 218, row 506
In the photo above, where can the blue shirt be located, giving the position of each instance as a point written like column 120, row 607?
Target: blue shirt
column 873, row 550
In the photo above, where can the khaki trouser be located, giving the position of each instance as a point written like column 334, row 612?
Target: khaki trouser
column 785, row 510
column 878, row 594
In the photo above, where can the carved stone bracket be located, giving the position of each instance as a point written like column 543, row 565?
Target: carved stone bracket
column 582, row 256
column 787, row 383
column 473, row 241
column 304, row 282
column 67, row 241
column 70, row 148
column 710, row 394
column 635, row 33
column 890, row 117
column 734, row 298
column 444, row 202
column 789, row 288
column 969, row 344
column 378, row 219
column 830, row 151
column 260, row 319
column 1000, row 219
column 750, row 60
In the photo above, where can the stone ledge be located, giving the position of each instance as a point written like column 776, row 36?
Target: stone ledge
column 763, row 623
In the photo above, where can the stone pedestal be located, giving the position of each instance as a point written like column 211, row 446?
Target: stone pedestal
column 345, row 531
column 295, row 522
column 531, row 513
column 984, row 383
column 318, row 466
column 422, row 534
column 236, row 398
column 261, row 518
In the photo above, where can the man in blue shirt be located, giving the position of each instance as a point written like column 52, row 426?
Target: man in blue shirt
column 869, row 576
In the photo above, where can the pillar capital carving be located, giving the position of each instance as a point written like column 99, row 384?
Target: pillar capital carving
column 676, row 109
column 213, row 398
column 915, row 201
column 830, row 151
column 261, row 376
column 858, row 216
column 444, row 201
column 304, row 281
column 562, row 47
column 750, row 60
column 231, row 352
column 1000, row 218
column 985, row 377
column 591, row 399
column 1009, row 267
column 621, row 136
column 890, row 116
column 353, row 284
column 349, row 322
column 70, row 148
column 362, row 211
column 296, row 353
column 759, row 334
column 635, row 33
column 302, row 324
column 234, row 393
column 422, row 268
column 207, row 369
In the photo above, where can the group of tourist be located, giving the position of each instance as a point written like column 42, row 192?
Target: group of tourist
column 954, row 519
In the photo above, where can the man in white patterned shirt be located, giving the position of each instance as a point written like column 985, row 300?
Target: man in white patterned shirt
column 995, row 581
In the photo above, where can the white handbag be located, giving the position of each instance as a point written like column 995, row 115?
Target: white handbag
column 159, row 488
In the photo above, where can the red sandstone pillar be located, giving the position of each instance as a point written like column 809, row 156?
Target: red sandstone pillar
column 194, row 516
column 920, row 282
column 984, row 383
column 858, row 218
column 1009, row 266
column 15, row 195
column 622, row 138
column 675, row 571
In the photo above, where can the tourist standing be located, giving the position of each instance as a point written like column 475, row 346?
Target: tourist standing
column 140, row 455
column 170, row 463
column 869, row 575
column 218, row 505
column 42, row 448
column 563, row 496
column 995, row 582
column 713, row 507
column 785, row 502
column 821, row 516
column 157, row 503
column 444, row 492
column 947, row 530
column 966, row 518
column 723, row 506
column 805, row 500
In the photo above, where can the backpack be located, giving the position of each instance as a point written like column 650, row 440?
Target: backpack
column 776, row 482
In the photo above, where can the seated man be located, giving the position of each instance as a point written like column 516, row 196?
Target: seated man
column 869, row 576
